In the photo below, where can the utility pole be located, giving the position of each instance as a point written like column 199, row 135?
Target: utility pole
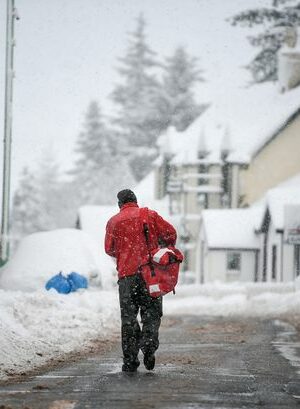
column 12, row 14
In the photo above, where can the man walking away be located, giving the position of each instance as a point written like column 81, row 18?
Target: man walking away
column 125, row 240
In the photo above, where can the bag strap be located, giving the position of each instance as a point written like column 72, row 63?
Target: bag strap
column 144, row 215
column 145, row 222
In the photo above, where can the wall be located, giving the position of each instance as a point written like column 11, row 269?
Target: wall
column 235, row 188
column 278, row 161
column 215, row 266
column 288, row 262
column 274, row 239
column 260, row 258
column 285, row 257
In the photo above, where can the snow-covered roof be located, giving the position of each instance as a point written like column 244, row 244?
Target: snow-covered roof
column 285, row 193
column 170, row 142
column 277, row 199
column 248, row 118
column 232, row 228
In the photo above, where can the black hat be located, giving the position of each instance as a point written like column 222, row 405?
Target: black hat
column 126, row 196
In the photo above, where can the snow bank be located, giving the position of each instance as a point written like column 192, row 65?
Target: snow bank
column 251, row 299
column 42, row 255
column 39, row 326
column 93, row 220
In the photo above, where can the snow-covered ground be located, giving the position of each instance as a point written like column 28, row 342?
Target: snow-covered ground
column 243, row 299
column 37, row 326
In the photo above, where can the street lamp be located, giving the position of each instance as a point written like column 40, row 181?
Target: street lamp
column 12, row 14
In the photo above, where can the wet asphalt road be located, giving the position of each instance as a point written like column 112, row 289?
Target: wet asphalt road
column 201, row 363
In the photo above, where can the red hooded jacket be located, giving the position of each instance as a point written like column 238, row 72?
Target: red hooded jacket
column 125, row 238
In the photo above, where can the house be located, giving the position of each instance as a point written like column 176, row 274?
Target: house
column 243, row 145
column 259, row 243
column 279, row 232
column 229, row 247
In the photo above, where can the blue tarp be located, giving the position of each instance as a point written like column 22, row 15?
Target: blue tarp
column 65, row 285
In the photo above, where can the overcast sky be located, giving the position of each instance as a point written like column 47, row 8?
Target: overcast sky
column 67, row 53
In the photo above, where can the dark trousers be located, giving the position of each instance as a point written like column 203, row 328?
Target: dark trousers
column 134, row 297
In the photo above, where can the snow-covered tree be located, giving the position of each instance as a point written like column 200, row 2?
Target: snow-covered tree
column 274, row 19
column 39, row 203
column 177, row 103
column 26, row 206
column 100, row 169
column 51, row 194
column 136, row 97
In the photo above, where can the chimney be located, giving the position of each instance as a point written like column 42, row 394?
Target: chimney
column 202, row 146
column 226, row 147
column 289, row 60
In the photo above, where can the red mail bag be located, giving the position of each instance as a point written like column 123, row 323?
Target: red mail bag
column 161, row 272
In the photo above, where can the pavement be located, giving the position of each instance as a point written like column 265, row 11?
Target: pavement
column 201, row 363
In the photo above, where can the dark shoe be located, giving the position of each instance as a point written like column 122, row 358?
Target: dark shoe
column 149, row 361
column 131, row 367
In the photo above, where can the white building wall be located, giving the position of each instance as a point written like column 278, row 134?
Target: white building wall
column 260, row 258
column 235, row 189
column 285, row 268
column 215, row 266
column 288, row 262
column 274, row 239
column 248, row 265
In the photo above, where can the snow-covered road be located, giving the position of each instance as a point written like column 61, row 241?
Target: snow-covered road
column 38, row 327
column 202, row 362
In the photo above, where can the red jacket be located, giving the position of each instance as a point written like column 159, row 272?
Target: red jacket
column 125, row 238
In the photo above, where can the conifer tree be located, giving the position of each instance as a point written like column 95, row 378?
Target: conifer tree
column 25, row 207
column 177, row 103
column 51, row 197
column 100, row 169
column 274, row 19
column 136, row 98
column 39, row 201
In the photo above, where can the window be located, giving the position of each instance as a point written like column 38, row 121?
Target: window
column 233, row 261
column 274, row 261
column 203, row 169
